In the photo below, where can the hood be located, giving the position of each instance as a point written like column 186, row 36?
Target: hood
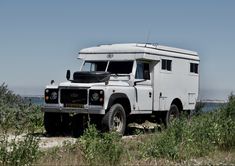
column 73, row 84
column 89, row 85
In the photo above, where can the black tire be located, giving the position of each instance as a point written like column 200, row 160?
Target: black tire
column 65, row 124
column 52, row 123
column 171, row 115
column 115, row 119
column 79, row 124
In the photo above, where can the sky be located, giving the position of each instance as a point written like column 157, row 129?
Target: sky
column 40, row 40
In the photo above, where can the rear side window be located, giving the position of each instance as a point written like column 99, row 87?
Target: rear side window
column 166, row 64
column 120, row 67
column 194, row 68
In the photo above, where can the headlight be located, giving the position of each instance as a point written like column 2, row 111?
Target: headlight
column 96, row 97
column 51, row 96
column 54, row 95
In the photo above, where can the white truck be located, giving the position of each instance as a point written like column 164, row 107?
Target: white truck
column 119, row 83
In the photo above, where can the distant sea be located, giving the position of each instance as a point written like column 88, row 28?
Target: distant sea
column 208, row 106
column 35, row 100
column 212, row 106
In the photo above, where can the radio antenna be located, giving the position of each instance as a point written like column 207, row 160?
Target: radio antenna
column 148, row 36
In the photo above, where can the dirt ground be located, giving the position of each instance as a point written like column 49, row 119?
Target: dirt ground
column 46, row 142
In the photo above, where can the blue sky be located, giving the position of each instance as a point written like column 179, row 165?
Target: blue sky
column 39, row 40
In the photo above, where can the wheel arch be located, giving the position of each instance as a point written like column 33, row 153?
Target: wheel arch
column 122, row 99
column 178, row 103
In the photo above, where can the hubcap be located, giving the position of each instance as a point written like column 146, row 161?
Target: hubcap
column 117, row 122
column 173, row 115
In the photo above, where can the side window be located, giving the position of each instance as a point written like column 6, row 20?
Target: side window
column 194, row 68
column 142, row 71
column 166, row 64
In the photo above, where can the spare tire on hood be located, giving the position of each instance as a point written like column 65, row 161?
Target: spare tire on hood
column 90, row 77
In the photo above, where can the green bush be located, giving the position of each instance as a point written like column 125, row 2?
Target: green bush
column 225, row 118
column 18, row 150
column 198, row 108
column 101, row 148
column 16, row 114
column 18, row 122
column 8, row 98
column 195, row 138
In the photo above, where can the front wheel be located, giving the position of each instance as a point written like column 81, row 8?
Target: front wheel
column 115, row 119
column 52, row 123
column 79, row 124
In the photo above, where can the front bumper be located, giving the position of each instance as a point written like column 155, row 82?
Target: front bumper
column 61, row 109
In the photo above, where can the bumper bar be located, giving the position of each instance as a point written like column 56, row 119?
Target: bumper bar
column 90, row 110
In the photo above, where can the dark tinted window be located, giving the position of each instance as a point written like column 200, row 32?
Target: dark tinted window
column 120, row 67
column 194, row 68
column 142, row 71
column 166, row 64
column 94, row 66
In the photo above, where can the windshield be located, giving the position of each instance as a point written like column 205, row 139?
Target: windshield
column 94, row 66
column 120, row 67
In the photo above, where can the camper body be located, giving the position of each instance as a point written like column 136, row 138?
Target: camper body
column 118, row 81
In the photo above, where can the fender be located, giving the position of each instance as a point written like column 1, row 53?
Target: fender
column 117, row 96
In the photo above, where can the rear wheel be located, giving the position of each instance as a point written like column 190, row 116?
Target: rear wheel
column 115, row 119
column 171, row 115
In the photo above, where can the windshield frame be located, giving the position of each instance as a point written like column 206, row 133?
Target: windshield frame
column 108, row 65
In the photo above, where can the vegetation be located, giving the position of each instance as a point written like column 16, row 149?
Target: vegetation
column 101, row 148
column 198, row 137
column 18, row 121
column 204, row 139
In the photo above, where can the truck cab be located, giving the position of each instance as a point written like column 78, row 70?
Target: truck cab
column 116, row 82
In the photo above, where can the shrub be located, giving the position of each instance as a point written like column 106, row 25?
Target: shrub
column 17, row 150
column 226, row 125
column 100, row 148
column 199, row 137
column 16, row 118
column 16, row 114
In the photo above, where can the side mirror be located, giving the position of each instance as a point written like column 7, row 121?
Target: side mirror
column 52, row 82
column 68, row 75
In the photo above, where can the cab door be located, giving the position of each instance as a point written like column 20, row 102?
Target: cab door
column 143, row 87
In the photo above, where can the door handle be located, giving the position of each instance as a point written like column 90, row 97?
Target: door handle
column 150, row 94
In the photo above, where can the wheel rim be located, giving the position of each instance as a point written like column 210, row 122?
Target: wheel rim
column 117, row 122
column 173, row 115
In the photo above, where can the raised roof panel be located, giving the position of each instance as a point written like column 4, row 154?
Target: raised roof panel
column 144, row 49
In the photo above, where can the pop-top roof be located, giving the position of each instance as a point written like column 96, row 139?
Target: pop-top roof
column 133, row 49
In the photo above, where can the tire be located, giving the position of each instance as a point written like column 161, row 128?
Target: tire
column 65, row 124
column 171, row 115
column 52, row 123
column 79, row 124
column 115, row 119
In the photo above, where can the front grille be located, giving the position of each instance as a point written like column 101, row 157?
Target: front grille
column 73, row 97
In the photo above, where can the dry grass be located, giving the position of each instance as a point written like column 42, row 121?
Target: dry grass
column 72, row 155
column 62, row 156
